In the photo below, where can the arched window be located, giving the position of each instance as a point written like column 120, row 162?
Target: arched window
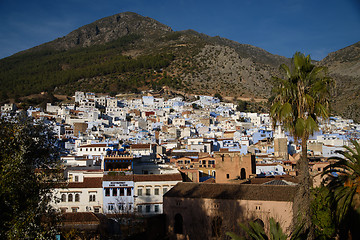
column 216, row 225
column 63, row 197
column 178, row 225
column 243, row 173
column 70, row 197
column 77, row 197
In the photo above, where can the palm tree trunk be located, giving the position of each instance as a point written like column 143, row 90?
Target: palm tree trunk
column 302, row 210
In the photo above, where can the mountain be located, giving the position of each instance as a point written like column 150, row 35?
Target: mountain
column 106, row 30
column 127, row 52
column 344, row 68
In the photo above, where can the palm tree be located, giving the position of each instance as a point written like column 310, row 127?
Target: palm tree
column 300, row 100
column 344, row 185
column 256, row 231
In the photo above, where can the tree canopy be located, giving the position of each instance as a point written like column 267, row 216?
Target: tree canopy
column 300, row 100
column 343, row 182
column 28, row 157
column 302, row 97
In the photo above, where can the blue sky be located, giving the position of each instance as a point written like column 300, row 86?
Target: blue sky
column 282, row 27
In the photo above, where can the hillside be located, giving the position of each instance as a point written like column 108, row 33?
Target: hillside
column 127, row 52
column 344, row 68
column 120, row 53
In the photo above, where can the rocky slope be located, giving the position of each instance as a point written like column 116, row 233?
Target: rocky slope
column 128, row 52
column 344, row 68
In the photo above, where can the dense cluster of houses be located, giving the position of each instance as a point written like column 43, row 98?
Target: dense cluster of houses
column 201, row 160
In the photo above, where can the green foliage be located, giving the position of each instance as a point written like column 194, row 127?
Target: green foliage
column 256, row 231
column 322, row 214
column 246, row 106
column 218, row 95
column 38, row 71
column 242, row 106
column 299, row 100
column 301, row 97
column 25, row 193
column 344, row 189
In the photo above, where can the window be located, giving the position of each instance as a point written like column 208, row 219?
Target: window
column 63, row 197
column 157, row 191
column 121, row 191
column 130, row 206
column 96, row 210
column 107, row 192
column 92, row 198
column 140, row 209
column 148, row 192
column 111, row 207
column 128, row 192
column 148, row 208
column 74, row 209
column 77, row 197
column 227, row 176
column 63, row 210
column 76, row 178
column 121, row 207
column 156, row 208
column 139, row 191
column 114, row 192
column 165, row 190
column 70, row 197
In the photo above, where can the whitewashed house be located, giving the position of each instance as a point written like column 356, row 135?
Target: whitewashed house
column 149, row 191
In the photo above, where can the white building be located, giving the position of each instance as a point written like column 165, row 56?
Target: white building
column 84, row 195
column 95, row 149
column 118, row 194
column 149, row 191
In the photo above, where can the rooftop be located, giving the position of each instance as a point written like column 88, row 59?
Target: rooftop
column 233, row 191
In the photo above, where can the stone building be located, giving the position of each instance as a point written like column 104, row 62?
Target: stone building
column 208, row 211
column 231, row 165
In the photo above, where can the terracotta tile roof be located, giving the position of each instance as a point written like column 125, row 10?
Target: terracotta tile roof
column 89, row 182
column 157, row 177
column 118, row 178
column 233, row 191
column 262, row 180
column 140, row 146
column 80, row 217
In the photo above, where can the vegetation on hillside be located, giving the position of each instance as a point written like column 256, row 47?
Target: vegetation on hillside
column 44, row 70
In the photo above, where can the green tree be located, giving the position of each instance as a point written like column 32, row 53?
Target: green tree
column 256, row 231
column 27, row 157
column 218, row 95
column 242, row 106
column 300, row 99
column 344, row 190
column 322, row 216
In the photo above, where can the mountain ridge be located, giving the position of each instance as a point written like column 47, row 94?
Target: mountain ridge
column 128, row 52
